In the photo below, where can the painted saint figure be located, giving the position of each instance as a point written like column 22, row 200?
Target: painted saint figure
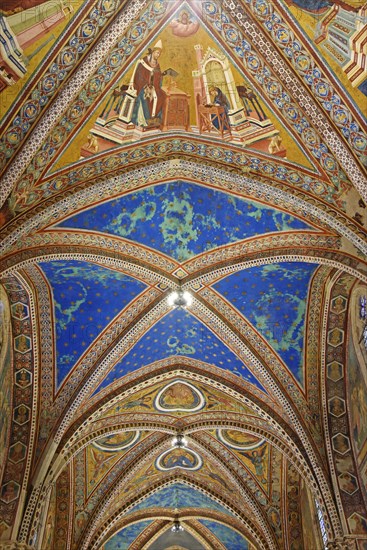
column 258, row 460
column 147, row 81
column 178, row 395
column 183, row 25
column 217, row 97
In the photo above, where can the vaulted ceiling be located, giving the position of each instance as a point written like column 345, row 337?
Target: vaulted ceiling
column 236, row 173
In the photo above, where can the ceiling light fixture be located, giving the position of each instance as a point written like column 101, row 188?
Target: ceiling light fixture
column 180, row 298
column 177, row 527
column 179, row 441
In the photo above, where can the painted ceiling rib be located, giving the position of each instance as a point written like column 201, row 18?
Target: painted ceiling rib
column 216, row 150
column 68, row 92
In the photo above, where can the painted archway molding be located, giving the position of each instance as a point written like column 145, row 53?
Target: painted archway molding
column 156, row 445
column 204, row 536
column 195, row 424
column 283, row 73
column 121, row 341
column 260, row 531
column 94, row 352
column 137, row 260
column 150, row 295
column 94, row 56
column 204, row 421
column 85, row 70
column 100, row 346
column 220, row 178
column 315, row 461
column 91, row 356
column 166, row 517
column 301, row 95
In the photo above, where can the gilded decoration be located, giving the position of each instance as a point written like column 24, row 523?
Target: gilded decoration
column 183, row 266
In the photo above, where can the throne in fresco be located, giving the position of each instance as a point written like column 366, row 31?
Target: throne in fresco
column 244, row 124
column 224, row 108
column 212, row 118
column 115, row 122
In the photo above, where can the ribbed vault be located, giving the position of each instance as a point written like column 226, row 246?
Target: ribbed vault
column 210, row 148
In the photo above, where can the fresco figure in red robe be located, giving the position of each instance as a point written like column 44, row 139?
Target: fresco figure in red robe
column 148, row 85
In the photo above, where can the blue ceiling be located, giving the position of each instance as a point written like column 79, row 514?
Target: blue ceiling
column 86, row 298
column 179, row 495
column 183, row 219
column 179, row 334
column 231, row 539
column 274, row 299
column 125, row 537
